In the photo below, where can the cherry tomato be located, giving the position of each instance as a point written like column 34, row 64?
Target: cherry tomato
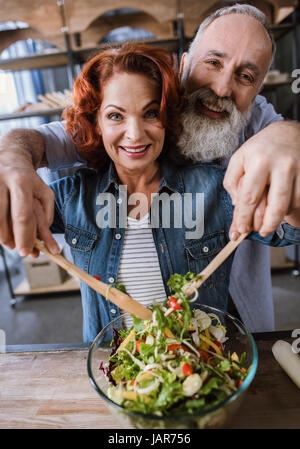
column 187, row 369
column 204, row 354
column 173, row 303
column 98, row 278
column 138, row 344
column 176, row 346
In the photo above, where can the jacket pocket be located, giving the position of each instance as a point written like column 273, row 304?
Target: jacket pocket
column 81, row 244
column 201, row 252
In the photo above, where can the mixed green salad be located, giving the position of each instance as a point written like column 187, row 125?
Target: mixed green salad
column 174, row 364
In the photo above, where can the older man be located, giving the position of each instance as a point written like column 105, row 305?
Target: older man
column 222, row 74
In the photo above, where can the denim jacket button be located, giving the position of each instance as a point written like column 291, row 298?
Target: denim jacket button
column 280, row 231
column 118, row 236
column 113, row 311
column 111, row 279
column 205, row 249
column 74, row 241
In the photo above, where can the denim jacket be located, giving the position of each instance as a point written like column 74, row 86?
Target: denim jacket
column 97, row 250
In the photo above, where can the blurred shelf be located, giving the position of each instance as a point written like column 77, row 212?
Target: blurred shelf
column 42, row 61
column 58, row 59
column 271, row 86
column 23, row 289
column 44, row 113
column 281, row 29
column 80, row 56
column 282, row 26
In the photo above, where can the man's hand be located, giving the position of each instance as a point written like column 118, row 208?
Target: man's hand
column 258, row 216
column 269, row 160
column 21, row 216
column 27, row 203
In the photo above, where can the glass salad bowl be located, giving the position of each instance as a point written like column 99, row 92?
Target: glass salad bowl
column 217, row 416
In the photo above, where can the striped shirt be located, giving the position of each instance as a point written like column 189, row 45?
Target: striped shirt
column 139, row 268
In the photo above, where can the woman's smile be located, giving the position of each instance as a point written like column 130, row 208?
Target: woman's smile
column 135, row 151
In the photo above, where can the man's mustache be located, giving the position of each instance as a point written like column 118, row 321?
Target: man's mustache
column 211, row 100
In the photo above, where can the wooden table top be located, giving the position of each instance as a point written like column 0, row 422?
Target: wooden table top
column 51, row 389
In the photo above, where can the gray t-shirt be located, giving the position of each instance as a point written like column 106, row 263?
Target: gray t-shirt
column 250, row 281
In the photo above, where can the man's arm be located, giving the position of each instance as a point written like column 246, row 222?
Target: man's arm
column 26, row 145
column 21, row 152
column 59, row 148
column 268, row 160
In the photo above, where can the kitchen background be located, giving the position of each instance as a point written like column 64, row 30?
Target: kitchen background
column 42, row 48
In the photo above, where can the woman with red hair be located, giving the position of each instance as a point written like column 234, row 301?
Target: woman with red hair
column 125, row 120
column 156, row 64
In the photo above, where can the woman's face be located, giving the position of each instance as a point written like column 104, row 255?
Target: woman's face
column 129, row 122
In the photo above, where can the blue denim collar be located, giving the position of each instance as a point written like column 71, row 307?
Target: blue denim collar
column 109, row 178
column 171, row 178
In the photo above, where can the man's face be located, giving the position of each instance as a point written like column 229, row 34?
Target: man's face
column 222, row 78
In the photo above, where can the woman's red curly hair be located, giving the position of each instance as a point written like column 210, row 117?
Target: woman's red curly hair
column 81, row 117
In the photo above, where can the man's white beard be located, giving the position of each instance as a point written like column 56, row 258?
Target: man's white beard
column 204, row 138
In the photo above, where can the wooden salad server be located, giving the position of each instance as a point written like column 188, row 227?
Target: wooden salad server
column 119, row 298
column 191, row 288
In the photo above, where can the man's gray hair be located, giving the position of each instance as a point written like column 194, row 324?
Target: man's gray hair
column 247, row 10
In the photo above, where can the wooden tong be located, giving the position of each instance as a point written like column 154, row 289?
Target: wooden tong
column 124, row 301
column 119, row 298
column 190, row 288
